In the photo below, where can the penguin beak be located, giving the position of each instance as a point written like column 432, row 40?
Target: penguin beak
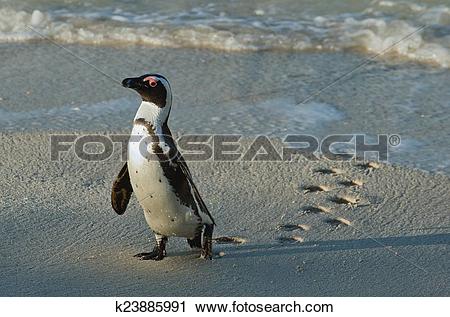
column 132, row 83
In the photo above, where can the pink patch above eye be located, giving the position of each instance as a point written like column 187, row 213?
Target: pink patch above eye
column 151, row 81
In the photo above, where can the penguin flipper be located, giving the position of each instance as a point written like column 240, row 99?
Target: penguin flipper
column 121, row 191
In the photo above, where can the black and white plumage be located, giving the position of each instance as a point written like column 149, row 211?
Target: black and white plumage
column 158, row 175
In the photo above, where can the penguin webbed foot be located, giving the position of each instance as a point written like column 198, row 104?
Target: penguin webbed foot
column 156, row 255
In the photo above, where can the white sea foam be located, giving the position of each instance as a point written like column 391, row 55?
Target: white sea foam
column 368, row 32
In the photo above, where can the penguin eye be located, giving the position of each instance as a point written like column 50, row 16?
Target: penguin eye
column 151, row 81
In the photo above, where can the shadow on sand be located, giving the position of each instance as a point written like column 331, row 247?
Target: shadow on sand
column 257, row 250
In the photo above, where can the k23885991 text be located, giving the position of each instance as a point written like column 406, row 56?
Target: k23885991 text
column 142, row 306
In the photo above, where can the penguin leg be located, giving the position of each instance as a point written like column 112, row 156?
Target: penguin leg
column 159, row 251
column 207, row 242
column 196, row 242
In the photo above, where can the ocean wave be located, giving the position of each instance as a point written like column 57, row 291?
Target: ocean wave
column 369, row 32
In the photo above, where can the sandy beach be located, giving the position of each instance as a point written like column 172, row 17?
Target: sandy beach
column 300, row 228
column 61, row 237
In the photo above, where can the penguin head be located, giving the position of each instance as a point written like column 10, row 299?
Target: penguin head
column 156, row 95
column 153, row 88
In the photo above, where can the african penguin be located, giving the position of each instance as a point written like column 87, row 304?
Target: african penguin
column 158, row 175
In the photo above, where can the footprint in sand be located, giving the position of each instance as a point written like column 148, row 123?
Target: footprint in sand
column 316, row 209
column 292, row 227
column 352, row 183
column 372, row 165
column 229, row 240
column 345, row 200
column 369, row 166
column 330, row 171
column 317, row 188
column 337, row 222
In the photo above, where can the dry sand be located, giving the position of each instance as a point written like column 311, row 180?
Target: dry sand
column 61, row 237
column 302, row 234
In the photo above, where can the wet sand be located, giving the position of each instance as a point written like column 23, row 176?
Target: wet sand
column 249, row 93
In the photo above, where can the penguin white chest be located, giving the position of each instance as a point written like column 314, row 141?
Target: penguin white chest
column 163, row 211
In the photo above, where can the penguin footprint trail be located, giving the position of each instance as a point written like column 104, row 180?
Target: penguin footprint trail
column 332, row 201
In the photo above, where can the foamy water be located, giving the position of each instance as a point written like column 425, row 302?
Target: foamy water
column 369, row 26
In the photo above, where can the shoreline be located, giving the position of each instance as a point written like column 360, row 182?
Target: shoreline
column 49, row 90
